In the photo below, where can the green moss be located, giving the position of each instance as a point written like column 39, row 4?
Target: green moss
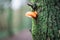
column 48, row 21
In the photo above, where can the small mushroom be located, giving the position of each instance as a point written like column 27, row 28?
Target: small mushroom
column 31, row 14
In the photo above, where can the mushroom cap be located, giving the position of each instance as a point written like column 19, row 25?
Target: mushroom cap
column 31, row 14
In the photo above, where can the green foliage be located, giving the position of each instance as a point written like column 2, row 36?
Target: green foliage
column 47, row 25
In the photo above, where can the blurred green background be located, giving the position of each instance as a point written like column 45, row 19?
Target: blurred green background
column 12, row 19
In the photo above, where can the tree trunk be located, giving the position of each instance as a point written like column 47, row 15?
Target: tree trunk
column 47, row 25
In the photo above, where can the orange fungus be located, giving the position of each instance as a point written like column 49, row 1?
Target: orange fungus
column 31, row 14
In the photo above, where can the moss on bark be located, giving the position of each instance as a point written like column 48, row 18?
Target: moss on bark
column 47, row 25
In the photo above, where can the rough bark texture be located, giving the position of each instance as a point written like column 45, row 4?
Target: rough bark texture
column 47, row 25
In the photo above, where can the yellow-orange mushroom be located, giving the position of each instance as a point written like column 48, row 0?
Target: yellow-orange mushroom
column 31, row 14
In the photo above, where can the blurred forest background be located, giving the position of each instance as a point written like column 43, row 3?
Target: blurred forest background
column 12, row 16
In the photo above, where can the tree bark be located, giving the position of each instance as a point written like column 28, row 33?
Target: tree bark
column 47, row 25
